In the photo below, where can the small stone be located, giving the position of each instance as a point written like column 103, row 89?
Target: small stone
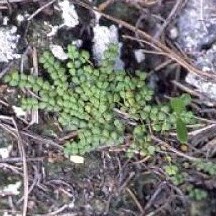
column 5, row 151
column 19, row 111
column 12, row 188
column 20, row 18
column 8, row 43
column 58, row 52
column 69, row 14
column 139, row 55
column 77, row 159
column 173, row 33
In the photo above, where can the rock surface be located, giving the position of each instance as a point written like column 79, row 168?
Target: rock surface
column 197, row 37
column 8, row 43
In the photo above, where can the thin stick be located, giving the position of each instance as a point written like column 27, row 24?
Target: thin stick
column 35, row 182
column 196, row 132
column 135, row 200
column 186, row 89
column 34, row 113
column 42, row 140
column 173, row 12
column 18, row 159
column 177, row 58
column 172, row 149
column 131, row 175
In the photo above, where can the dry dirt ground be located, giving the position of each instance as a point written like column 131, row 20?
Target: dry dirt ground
column 36, row 178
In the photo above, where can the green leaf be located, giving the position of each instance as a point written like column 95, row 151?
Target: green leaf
column 114, row 135
column 88, row 108
column 31, row 79
column 42, row 105
column 22, row 83
column 72, row 71
column 147, row 109
column 156, row 127
column 181, row 129
column 77, row 64
column 15, row 76
column 36, row 87
column 144, row 115
column 171, row 170
column 166, row 126
column 75, row 80
column 151, row 149
column 46, row 86
column 107, row 116
column 70, row 65
column 46, row 65
column 39, row 81
column 42, row 60
column 85, row 55
column 57, row 65
column 186, row 98
column 178, row 105
column 51, row 60
column 7, row 78
column 46, row 55
column 13, row 83
column 165, row 109
column 161, row 116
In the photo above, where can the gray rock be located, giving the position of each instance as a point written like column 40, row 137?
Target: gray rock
column 8, row 43
column 197, row 37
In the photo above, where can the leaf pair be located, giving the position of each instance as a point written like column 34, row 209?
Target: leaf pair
column 179, row 106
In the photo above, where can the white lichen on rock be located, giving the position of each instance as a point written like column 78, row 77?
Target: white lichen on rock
column 103, row 36
column 5, row 151
column 12, row 189
column 139, row 55
column 19, row 112
column 58, row 52
column 69, row 14
column 8, row 44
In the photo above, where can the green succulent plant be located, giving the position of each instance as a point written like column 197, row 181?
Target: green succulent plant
column 175, row 174
column 207, row 167
column 197, row 194
column 100, row 103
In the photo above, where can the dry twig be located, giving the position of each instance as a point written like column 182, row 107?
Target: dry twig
column 172, row 149
column 34, row 113
column 23, row 156
column 135, row 200
column 178, row 5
